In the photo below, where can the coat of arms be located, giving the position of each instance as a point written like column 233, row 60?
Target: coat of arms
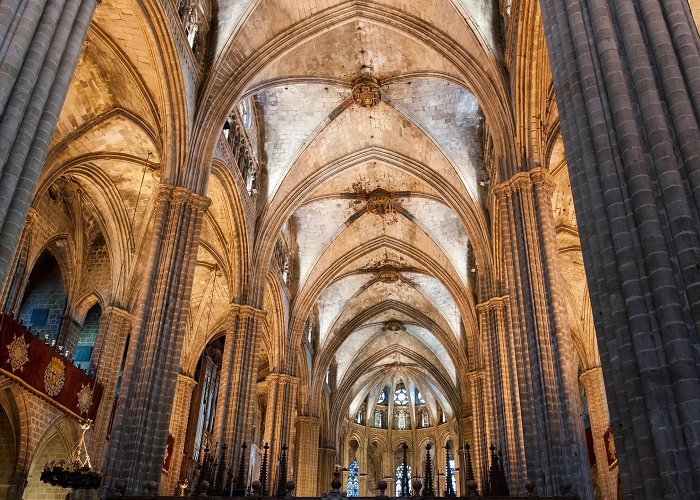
column 17, row 353
column 54, row 377
column 85, row 399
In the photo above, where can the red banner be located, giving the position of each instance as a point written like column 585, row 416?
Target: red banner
column 26, row 359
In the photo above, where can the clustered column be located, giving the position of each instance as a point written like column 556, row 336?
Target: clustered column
column 115, row 325
column 281, row 402
column 140, row 433
column 492, row 391
column 537, row 369
column 627, row 82
column 592, row 380
column 178, row 428
column 307, row 456
column 239, row 368
column 40, row 43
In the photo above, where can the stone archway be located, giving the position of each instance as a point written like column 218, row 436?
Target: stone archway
column 55, row 445
column 8, row 452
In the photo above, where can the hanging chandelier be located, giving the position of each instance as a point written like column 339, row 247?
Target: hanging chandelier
column 76, row 472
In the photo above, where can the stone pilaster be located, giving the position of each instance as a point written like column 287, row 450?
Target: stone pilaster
column 115, row 325
column 140, row 432
column 307, row 456
column 178, row 429
column 40, row 43
column 544, row 433
column 281, row 401
column 627, row 81
column 592, row 380
column 235, row 406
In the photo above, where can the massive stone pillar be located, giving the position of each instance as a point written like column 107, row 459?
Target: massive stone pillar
column 489, row 397
column 307, row 456
column 281, row 402
column 40, row 42
column 115, row 325
column 592, row 380
column 627, row 82
column 239, row 369
column 545, row 439
column 140, row 433
column 178, row 428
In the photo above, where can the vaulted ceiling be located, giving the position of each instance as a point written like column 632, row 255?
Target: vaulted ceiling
column 382, row 205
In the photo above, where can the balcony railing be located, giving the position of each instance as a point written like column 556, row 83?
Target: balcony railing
column 28, row 361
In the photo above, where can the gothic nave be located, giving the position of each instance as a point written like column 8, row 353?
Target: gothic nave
column 339, row 231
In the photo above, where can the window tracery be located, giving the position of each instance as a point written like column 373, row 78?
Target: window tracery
column 399, row 474
column 353, row 489
column 400, row 395
column 380, row 419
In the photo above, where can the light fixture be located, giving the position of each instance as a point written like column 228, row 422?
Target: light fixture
column 76, row 472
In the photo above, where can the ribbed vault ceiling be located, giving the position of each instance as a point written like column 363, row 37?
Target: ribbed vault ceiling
column 323, row 156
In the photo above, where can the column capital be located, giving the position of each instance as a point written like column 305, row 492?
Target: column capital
column 181, row 196
column 535, row 176
column 493, row 303
column 305, row 419
column 245, row 311
column 120, row 313
column 282, row 378
column 477, row 374
column 595, row 371
column 186, row 380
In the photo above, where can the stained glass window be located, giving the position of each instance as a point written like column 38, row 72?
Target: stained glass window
column 419, row 398
column 400, row 396
column 399, row 473
column 246, row 117
column 451, row 465
column 381, row 398
column 353, row 482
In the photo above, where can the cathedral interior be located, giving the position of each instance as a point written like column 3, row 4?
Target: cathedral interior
column 283, row 238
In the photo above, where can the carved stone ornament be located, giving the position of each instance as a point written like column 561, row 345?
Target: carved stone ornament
column 366, row 91
column 388, row 274
column 379, row 202
column 18, row 353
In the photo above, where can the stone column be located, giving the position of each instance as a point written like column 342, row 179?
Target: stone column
column 307, row 456
column 140, row 433
column 236, row 401
column 40, row 43
column 491, row 390
column 545, row 435
column 600, row 421
column 70, row 334
column 627, row 82
column 178, row 428
column 16, row 283
column 281, row 401
column 115, row 325
column 326, row 463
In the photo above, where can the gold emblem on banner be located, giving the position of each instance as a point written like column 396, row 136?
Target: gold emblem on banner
column 17, row 353
column 54, row 377
column 85, row 399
